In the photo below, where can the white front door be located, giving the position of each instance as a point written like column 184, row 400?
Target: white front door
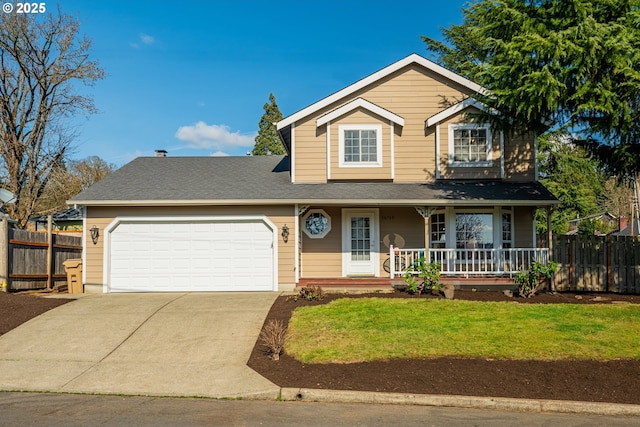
column 360, row 242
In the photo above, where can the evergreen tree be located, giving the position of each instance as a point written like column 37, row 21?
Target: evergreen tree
column 267, row 140
column 557, row 63
column 572, row 176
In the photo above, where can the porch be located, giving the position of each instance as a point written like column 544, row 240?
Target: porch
column 466, row 263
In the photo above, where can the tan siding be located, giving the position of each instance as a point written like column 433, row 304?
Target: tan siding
column 94, row 252
column 360, row 117
column 452, row 172
column 523, row 226
column 310, row 152
column 103, row 216
column 323, row 257
column 401, row 227
column 412, row 93
column 519, row 160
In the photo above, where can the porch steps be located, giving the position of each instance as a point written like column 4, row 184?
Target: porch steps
column 385, row 284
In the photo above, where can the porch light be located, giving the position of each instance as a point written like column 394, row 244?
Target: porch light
column 95, row 233
column 285, row 233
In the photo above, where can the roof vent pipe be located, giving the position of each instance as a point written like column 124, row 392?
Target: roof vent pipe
column 161, row 153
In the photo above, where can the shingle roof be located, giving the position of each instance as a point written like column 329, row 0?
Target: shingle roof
column 266, row 180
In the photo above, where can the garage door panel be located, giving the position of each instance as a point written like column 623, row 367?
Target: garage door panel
column 191, row 256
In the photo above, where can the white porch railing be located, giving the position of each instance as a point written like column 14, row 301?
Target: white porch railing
column 468, row 262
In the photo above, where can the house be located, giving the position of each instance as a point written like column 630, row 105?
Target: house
column 603, row 223
column 64, row 220
column 627, row 228
column 380, row 173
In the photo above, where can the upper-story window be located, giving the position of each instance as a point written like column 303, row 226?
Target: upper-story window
column 469, row 145
column 360, row 145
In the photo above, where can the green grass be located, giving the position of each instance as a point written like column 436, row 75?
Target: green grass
column 366, row 329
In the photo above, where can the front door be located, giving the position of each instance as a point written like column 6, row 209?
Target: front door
column 360, row 243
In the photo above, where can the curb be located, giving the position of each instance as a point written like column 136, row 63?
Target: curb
column 498, row 403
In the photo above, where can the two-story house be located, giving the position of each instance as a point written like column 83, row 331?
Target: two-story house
column 378, row 174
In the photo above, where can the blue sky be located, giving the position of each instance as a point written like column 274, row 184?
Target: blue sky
column 191, row 77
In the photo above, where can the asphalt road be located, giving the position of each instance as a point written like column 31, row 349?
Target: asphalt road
column 49, row 409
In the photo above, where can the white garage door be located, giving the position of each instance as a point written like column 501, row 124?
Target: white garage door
column 191, row 256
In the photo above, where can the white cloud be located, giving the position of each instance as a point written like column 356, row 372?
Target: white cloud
column 147, row 39
column 219, row 154
column 217, row 137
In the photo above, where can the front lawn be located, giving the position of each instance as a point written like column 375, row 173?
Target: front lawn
column 368, row 329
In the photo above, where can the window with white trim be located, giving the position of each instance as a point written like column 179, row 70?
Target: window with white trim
column 469, row 145
column 438, row 231
column 360, row 145
column 474, row 230
column 507, row 230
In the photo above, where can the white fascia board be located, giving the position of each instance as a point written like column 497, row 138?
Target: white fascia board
column 455, row 109
column 413, row 58
column 360, row 103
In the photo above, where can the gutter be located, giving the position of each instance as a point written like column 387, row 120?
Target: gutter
column 326, row 202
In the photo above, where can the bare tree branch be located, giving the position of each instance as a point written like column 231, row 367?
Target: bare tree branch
column 43, row 60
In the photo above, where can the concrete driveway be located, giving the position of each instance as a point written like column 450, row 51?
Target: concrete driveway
column 173, row 344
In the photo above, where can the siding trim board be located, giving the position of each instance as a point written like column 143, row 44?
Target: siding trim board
column 393, row 148
column 360, row 103
column 329, row 150
column 453, row 110
column 293, row 152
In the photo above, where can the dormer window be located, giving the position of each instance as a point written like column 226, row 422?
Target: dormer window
column 469, row 145
column 360, row 145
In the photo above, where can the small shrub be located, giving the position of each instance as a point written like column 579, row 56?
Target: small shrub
column 309, row 293
column 272, row 338
column 532, row 280
column 423, row 276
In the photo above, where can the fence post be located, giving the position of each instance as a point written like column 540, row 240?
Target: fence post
column 49, row 252
column 608, row 258
column 552, row 282
column 571, row 241
column 4, row 253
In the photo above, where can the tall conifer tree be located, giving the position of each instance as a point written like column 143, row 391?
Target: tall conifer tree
column 267, row 140
column 557, row 63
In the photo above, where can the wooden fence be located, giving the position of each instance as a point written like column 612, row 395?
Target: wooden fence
column 34, row 260
column 597, row 263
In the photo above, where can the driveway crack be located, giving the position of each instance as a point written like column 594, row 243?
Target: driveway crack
column 127, row 338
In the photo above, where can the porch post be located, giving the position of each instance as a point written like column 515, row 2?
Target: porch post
column 550, row 245
column 426, row 213
column 427, row 236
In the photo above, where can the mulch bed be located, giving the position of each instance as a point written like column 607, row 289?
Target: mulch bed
column 616, row 381
column 17, row 308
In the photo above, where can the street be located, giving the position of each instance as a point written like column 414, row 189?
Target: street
column 48, row 409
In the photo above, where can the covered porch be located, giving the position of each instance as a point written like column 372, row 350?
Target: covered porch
column 466, row 263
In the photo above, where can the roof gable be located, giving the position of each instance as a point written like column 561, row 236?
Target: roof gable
column 360, row 103
column 411, row 59
column 455, row 109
